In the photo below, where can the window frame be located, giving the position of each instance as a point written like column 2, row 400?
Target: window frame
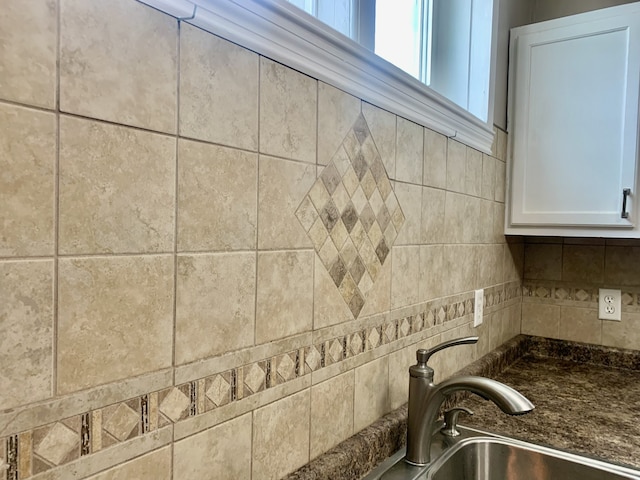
column 288, row 35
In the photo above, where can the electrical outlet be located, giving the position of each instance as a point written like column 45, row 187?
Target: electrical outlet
column 478, row 308
column 609, row 304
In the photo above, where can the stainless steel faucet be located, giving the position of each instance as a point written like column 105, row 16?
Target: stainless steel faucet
column 426, row 398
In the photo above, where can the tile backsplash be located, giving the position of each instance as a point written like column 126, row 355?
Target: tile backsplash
column 202, row 250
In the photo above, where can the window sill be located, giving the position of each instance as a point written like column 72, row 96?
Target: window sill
column 289, row 36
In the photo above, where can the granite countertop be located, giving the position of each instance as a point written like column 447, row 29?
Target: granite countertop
column 587, row 401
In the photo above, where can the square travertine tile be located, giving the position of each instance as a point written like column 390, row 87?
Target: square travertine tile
column 405, row 269
column 622, row 265
column 28, row 32
column 281, row 437
column 329, row 307
column 371, row 399
column 461, row 218
column 288, row 104
column 331, row 412
column 284, row 294
column 215, row 300
column 26, row 323
column 382, row 125
column 488, row 177
column 432, row 272
column 490, row 265
column 498, row 222
column 219, row 453
column 410, row 197
column 123, row 70
column 433, row 215
column 623, row 334
column 456, row 166
column 435, row 159
column 580, row 325
column 282, row 185
column 473, row 172
column 115, row 319
column 542, row 262
column 399, row 363
column 378, row 300
column 155, row 465
column 409, row 151
column 541, row 320
column 27, row 182
column 513, row 262
column 116, row 189
column 460, row 265
column 337, row 111
column 501, row 179
column 217, row 198
column 218, row 90
column 583, row 263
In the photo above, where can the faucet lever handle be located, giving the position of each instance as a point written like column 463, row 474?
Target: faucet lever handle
column 451, row 421
column 423, row 355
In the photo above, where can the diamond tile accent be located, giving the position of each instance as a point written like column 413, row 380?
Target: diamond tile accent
column 254, row 378
column 335, row 350
column 405, row 327
column 286, row 367
column 122, row 422
column 352, row 210
column 582, row 295
column 57, row 444
column 561, row 293
column 219, row 391
column 627, row 298
column 175, row 404
column 312, row 358
column 373, row 338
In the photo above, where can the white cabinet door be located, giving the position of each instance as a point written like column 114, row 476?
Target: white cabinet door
column 573, row 123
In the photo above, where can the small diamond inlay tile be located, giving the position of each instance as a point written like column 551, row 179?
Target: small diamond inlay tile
column 353, row 216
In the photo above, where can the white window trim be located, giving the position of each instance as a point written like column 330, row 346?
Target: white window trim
column 280, row 31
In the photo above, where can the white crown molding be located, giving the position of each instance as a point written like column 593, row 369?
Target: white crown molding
column 278, row 30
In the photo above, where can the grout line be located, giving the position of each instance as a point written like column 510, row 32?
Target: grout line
column 257, row 234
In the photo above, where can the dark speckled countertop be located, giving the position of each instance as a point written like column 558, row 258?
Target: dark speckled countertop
column 587, row 401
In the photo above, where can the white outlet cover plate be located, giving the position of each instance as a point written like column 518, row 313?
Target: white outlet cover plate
column 478, row 309
column 609, row 304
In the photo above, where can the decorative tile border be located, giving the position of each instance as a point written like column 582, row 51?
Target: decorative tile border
column 576, row 295
column 58, row 443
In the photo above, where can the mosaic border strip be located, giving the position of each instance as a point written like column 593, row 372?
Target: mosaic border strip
column 49, row 446
column 576, row 294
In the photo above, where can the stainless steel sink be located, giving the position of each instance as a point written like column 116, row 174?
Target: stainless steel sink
column 482, row 456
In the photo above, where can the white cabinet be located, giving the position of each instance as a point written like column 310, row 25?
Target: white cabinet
column 574, row 85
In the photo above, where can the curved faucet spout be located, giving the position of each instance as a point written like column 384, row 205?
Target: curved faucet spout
column 420, row 427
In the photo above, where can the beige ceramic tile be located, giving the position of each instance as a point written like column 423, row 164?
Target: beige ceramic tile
column 498, row 222
column 456, row 166
column 399, row 363
column 115, row 319
column 107, row 68
column 500, row 182
column 337, row 111
column 410, row 200
column 622, row 265
column 432, row 272
column 473, row 172
column 382, row 125
column 623, row 334
column 28, row 33
column 460, row 267
column 541, row 320
column 218, row 90
column 409, row 151
column 329, row 307
column 26, row 320
column 116, row 189
column 378, row 300
column 580, row 325
column 542, row 262
column 282, row 427
column 583, row 263
column 433, row 214
column 485, row 222
column 371, row 399
column 27, row 162
column 285, row 294
column 217, row 197
column 462, row 218
column 282, row 185
column 219, row 453
column 490, row 265
column 405, row 269
column 331, row 412
column 215, row 297
column 288, row 103
column 501, row 147
column 435, row 159
column 155, row 465
column 488, row 177
column 513, row 262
